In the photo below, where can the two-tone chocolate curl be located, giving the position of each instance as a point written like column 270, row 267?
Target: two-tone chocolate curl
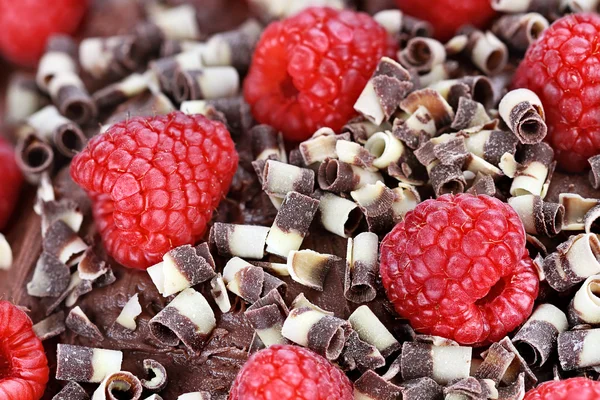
column 361, row 129
column 72, row 391
column 421, row 54
column 375, row 202
column 339, row 215
column 438, row 107
column 51, row 326
column 248, row 281
column 267, row 316
column 361, row 268
column 371, row 386
column 78, row 322
column 118, row 386
column 267, row 143
column 358, row 354
column 415, row 129
column 534, row 170
column 486, row 51
column 279, row 179
column 523, row 113
column 23, row 97
column 539, row 217
column 206, row 83
column 585, row 306
column 157, row 375
column 578, row 349
column 341, row 177
column 470, row 115
column 491, row 145
column 86, row 364
column 518, row 31
column 371, row 330
column 310, row 268
column 130, row 311
column 579, row 212
column 495, row 363
column 441, row 363
column 321, row 147
column 244, row 241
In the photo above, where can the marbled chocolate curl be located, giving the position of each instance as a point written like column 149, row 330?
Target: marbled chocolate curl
column 245, row 241
column 267, row 143
column 118, row 386
column 389, row 84
column 585, row 307
column 371, row 386
column 421, row 54
column 80, row 324
column 51, row 277
column 58, row 59
column 324, row 334
column 291, row 223
column 495, row 363
column 595, row 171
column 523, row 113
column 579, row 349
column 438, row 107
column 539, row 217
column 188, row 318
column 320, row 148
column 218, row 290
column 534, row 170
column 117, row 93
column 23, row 97
column 577, row 209
column 520, row 30
column 177, row 22
column 469, row 114
column 361, row 268
column 267, row 316
column 248, row 281
column 130, row 311
column 86, row 364
column 487, row 52
column 573, row 261
column 234, row 47
column 536, row 339
column 279, row 179
column 338, row 177
column 371, row 330
column 51, row 326
column 6, row 254
column 310, row 268
column 362, row 129
column 491, row 145
column 207, row 83
column 375, row 201
column 72, row 391
column 157, row 375
column 415, row 129
column 339, row 215
column 72, row 98
column 441, row 363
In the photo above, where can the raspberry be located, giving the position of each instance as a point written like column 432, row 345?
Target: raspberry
column 290, row 373
column 563, row 68
column 308, row 70
column 10, row 182
column 457, row 267
column 569, row 389
column 155, row 182
column 39, row 19
column 23, row 364
column 447, row 16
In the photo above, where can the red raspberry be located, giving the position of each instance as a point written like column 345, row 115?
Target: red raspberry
column 308, row 70
column 290, row 373
column 155, row 182
column 447, row 16
column 27, row 24
column 23, row 364
column 569, row 389
column 10, row 182
column 457, row 267
column 563, row 68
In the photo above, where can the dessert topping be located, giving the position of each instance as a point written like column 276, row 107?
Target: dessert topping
column 577, row 349
column 79, row 323
column 585, row 307
column 6, row 253
column 157, row 375
column 86, row 364
column 361, row 268
column 51, row 326
column 267, row 316
column 523, row 113
column 248, row 281
column 72, row 391
column 117, row 386
column 131, row 310
column 219, row 293
column 244, row 241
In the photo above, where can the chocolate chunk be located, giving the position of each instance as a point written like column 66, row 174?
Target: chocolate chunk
column 157, row 376
column 51, row 326
column 219, row 293
column 62, row 242
column 361, row 268
column 85, row 364
column 79, row 323
column 50, row 278
column 72, row 391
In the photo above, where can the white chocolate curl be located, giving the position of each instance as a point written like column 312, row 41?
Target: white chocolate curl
column 586, row 302
column 129, row 313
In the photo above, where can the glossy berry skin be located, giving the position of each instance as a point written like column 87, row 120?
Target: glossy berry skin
column 27, row 24
column 23, row 364
column 569, row 389
column 448, row 16
column 457, row 267
column 155, row 182
column 308, row 70
column 11, row 180
column 563, row 68
column 285, row 372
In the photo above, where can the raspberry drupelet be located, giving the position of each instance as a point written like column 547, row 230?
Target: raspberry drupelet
column 155, row 182
column 568, row 389
column 457, row 267
column 308, row 70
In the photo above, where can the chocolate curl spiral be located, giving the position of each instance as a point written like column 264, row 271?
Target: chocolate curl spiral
column 578, row 211
column 486, row 51
column 578, row 349
column 118, row 386
column 585, row 306
column 441, row 363
column 23, row 97
column 523, row 113
column 520, row 30
column 206, row 83
column 361, row 268
column 422, row 54
column 362, row 129
column 178, row 22
column 339, row 177
column 34, row 156
column 539, row 217
column 533, row 172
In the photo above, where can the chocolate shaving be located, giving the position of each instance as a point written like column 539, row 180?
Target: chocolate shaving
column 91, row 267
column 447, row 179
column 416, row 129
column 437, row 106
column 538, row 216
column 517, row 367
column 219, row 293
column 483, row 184
column 81, row 325
column 62, row 242
column 338, row 177
column 65, row 210
column 585, row 306
column 441, row 363
column 371, row 386
column 469, row 114
column 51, row 326
column 265, row 143
column 245, row 241
column 34, row 157
column 157, row 376
column 421, row 54
column 576, row 210
column 198, row 84
column 267, row 316
column 310, row 268
column 496, row 361
column 279, row 179
column 339, row 215
column 131, row 310
column 595, row 171
column 361, row 268
column 359, row 354
column 577, row 349
column 514, row 391
column 590, row 218
column 51, row 277
column 362, row 129
column 520, row 30
column 249, row 282
column 72, row 391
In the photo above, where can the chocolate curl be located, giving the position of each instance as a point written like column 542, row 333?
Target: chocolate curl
column 421, row 54
column 361, row 268
column 482, row 184
column 579, row 6
column 337, row 176
column 354, row 154
column 595, row 171
column 362, row 129
column 514, row 391
column 157, row 397
column 91, row 267
column 579, row 349
column 23, row 97
column 535, row 168
column 538, row 216
column 310, row 268
column 267, row 316
column 113, row 57
column 58, row 59
column 157, row 375
column 469, row 114
column 267, row 143
column 51, row 277
column 439, row 72
column 86, row 364
column 487, row 52
column 245, row 241
column 520, row 30
column 44, row 193
column 577, row 209
column 371, row 330
column 249, row 282
column 165, row 69
column 375, row 201
column 573, row 261
column 510, row 6
column 234, row 47
column 131, row 310
column 218, row 290
column 371, row 386
column 322, row 333
column 438, row 107
column 517, row 367
column 118, row 386
column 279, row 179
column 421, row 389
column 81, row 325
column 389, row 84
column 360, row 355
column 6, row 254
column 71, row 97
column 65, row 210
column 339, row 215
column 441, row 363
column 320, row 148
column 406, row 199
column 477, row 165
column 523, row 113
column 271, row 267
column 51, row 326
column 585, row 307
column 274, row 9
column 181, row 268
column 62, row 242
column 391, row 20
column 491, row 145
column 177, row 22
column 386, row 149
column 72, row 391
column 415, row 129
column 291, row 224
column 447, row 179
column 117, row 93
column 471, row 388
column 496, row 362
column 207, row 83
column 537, row 337
column 188, row 318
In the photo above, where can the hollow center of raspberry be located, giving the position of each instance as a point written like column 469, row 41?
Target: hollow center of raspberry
column 5, row 364
column 287, row 87
column 493, row 293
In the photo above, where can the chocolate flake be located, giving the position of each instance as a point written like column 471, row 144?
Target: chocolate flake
column 421, row 389
column 523, row 113
column 576, row 210
column 469, row 114
column 157, row 375
column 131, row 310
column 51, row 326
column 219, row 293
column 51, row 277
column 248, row 281
column 91, row 267
column 360, row 354
column 81, row 325
column 310, row 268
column 65, row 210
column 496, row 361
column 72, row 391
column 62, row 242
column 86, row 364
column 483, row 184
column 361, row 268
column 585, row 307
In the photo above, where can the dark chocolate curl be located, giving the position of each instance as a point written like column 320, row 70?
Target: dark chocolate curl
column 595, row 171
column 157, row 375
column 361, row 268
column 421, row 389
column 371, row 386
column 523, row 113
column 518, row 31
column 34, row 157
column 79, row 323
column 495, row 363
column 360, row 354
column 447, row 179
column 267, row 316
column 72, row 391
column 538, row 216
column 72, row 99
